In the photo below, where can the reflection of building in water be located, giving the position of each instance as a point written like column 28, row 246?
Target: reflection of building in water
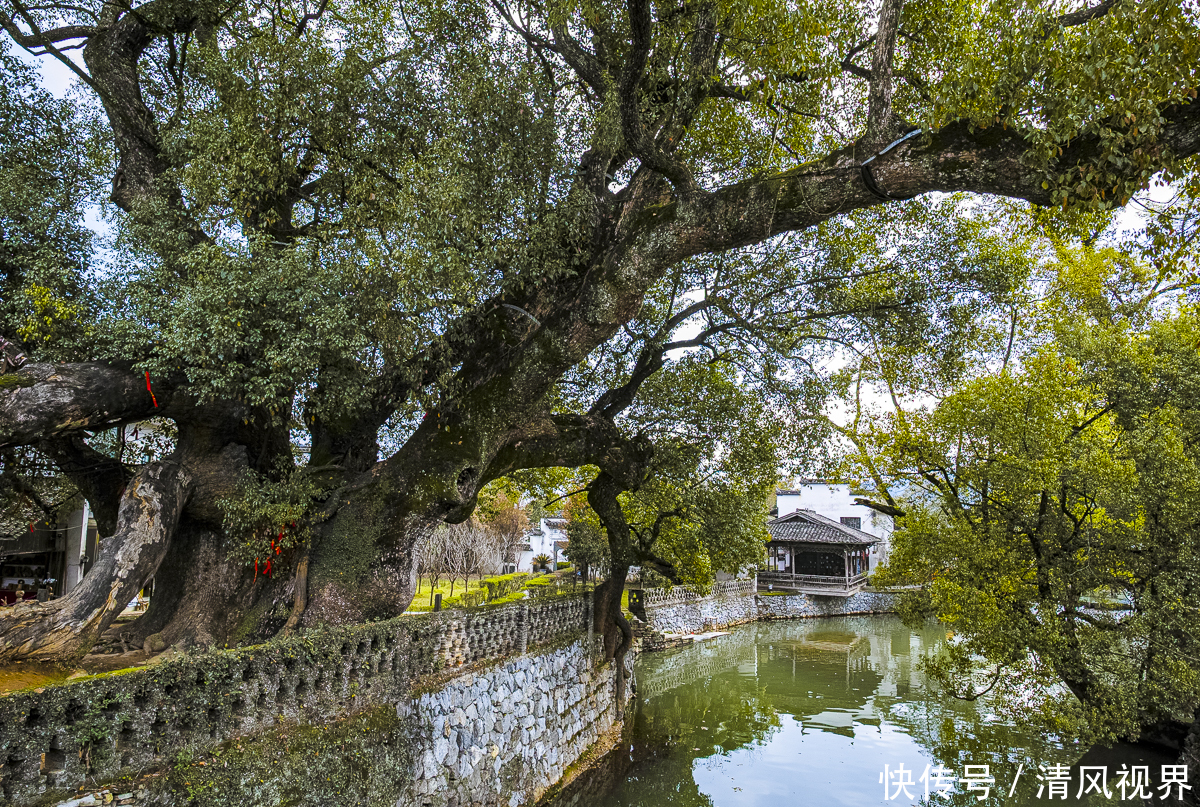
column 843, row 662
column 821, row 676
column 832, row 674
column 807, row 688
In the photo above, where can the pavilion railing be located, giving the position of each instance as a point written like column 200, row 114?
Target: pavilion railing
column 814, row 582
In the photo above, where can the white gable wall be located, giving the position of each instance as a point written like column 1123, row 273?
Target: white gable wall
column 835, row 501
column 541, row 542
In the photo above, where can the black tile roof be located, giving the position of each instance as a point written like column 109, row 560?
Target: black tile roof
column 807, row 527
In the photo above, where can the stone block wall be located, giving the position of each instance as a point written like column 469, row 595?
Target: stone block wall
column 719, row 612
column 503, row 736
column 647, row 637
column 97, row 729
column 798, row 606
column 697, row 616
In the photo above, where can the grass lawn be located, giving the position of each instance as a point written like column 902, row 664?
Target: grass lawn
column 421, row 601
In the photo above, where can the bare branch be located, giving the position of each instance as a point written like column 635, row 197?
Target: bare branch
column 848, row 62
column 48, row 40
column 310, row 17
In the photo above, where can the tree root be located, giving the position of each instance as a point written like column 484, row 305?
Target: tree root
column 301, row 601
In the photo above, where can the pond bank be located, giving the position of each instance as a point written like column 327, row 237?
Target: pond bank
column 489, row 706
column 673, row 620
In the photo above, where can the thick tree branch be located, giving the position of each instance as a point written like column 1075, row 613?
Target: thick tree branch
column 614, row 401
column 140, row 184
column 879, row 112
column 1083, row 15
column 48, row 41
column 637, row 138
column 954, row 158
column 65, row 628
column 54, row 399
column 560, row 440
column 703, row 56
column 36, row 38
column 586, row 65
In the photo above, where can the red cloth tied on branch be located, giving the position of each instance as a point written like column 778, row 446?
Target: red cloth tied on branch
column 152, row 398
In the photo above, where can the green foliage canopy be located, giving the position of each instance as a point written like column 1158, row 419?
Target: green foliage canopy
column 1052, row 500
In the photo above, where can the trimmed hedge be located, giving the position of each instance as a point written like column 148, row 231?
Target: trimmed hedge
column 469, row 599
column 504, row 585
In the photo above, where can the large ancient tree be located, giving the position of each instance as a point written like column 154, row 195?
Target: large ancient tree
column 439, row 243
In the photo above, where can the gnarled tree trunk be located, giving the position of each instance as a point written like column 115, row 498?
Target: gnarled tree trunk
column 613, row 627
column 67, row 627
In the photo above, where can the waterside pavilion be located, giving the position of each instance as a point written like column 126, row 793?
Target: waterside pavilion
column 811, row 554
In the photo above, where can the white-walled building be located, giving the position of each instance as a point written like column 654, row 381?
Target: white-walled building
column 548, row 538
column 835, row 501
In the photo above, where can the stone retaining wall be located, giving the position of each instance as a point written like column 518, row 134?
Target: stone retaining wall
column 504, row 736
column 698, row 616
column 719, row 612
column 799, row 606
column 108, row 728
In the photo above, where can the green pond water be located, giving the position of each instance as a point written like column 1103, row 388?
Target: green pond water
column 811, row 711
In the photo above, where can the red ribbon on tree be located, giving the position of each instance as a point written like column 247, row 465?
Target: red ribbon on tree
column 152, row 398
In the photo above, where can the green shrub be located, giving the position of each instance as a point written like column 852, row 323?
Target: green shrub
column 548, row 585
column 515, row 596
column 504, row 585
column 473, row 598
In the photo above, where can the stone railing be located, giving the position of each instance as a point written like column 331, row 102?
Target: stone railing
column 735, row 588
column 93, row 729
column 659, row 597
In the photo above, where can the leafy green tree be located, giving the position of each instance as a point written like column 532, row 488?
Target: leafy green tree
column 587, row 544
column 1051, row 503
column 397, row 254
column 50, row 158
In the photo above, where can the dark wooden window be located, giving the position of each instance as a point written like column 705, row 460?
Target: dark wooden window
column 822, row 563
column 852, row 521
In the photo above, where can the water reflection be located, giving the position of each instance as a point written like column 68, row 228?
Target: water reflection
column 811, row 711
